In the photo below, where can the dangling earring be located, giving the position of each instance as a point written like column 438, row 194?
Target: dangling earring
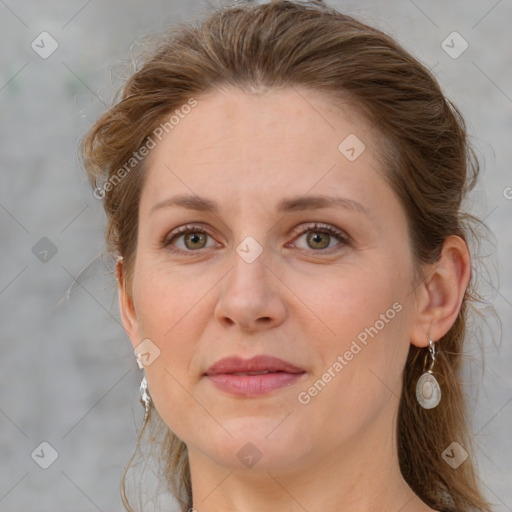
column 428, row 391
column 145, row 397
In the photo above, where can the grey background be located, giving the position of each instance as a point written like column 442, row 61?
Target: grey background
column 67, row 372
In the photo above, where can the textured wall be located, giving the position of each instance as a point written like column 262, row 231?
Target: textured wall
column 67, row 373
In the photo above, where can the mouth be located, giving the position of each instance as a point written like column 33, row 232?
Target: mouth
column 263, row 372
column 257, row 365
column 257, row 376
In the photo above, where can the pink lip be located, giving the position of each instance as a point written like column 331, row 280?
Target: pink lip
column 228, row 375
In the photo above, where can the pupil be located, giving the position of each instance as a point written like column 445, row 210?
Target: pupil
column 316, row 238
column 194, row 238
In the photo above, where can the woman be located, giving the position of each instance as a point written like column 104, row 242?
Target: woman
column 283, row 187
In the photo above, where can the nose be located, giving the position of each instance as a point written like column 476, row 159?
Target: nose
column 251, row 295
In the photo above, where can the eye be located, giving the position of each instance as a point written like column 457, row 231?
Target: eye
column 319, row 237
column 194, row 237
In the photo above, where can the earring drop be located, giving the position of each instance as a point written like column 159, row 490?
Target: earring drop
column 145, row 398
column 428, row 391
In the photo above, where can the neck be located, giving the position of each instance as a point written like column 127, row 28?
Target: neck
column 362, row 475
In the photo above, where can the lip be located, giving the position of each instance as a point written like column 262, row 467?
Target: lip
column 233, row 375
column 236, row 364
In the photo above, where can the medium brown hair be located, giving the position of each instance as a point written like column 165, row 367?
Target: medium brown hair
column 428, row 163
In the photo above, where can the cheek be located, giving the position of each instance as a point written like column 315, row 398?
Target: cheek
column 365, row 320
column 360, row 374
column 165, row 298
column 170, row 311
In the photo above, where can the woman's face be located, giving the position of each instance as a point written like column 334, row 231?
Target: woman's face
column 255, row 277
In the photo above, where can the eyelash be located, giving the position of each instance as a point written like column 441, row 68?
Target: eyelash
column 316, row 227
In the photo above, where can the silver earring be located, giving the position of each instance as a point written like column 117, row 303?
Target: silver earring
column 145, row 397
column 428, row 391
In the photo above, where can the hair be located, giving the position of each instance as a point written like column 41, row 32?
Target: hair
column 428, row 162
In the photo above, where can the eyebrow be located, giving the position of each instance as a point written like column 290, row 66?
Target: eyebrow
column 194, row 202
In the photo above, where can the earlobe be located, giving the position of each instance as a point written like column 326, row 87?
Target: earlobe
column 442, row 292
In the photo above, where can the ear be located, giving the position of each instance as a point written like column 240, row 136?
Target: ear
column 126, row 307
column 440, row 295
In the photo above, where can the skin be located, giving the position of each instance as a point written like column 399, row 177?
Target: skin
column 298, row 301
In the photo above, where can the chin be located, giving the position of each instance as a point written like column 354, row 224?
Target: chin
column 256, row 444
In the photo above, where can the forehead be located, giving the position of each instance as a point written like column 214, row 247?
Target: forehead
column 257, row 117
column 277, row 141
